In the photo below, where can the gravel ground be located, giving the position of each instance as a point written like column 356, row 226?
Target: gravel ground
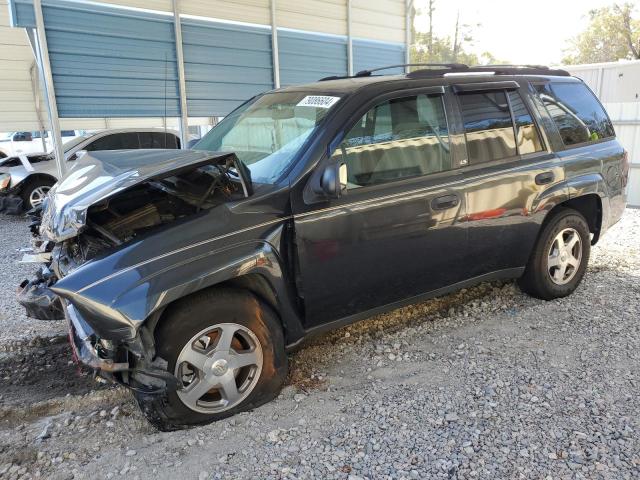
column 484, row 383
column 15, row 326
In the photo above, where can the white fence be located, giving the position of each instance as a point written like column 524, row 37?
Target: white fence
column 618, row 87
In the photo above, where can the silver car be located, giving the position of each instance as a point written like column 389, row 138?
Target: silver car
column 26, row 179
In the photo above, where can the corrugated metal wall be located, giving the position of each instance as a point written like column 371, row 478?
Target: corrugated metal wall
column 248, row 11
column 219, row 79
column 379, row 19
column 369, row 54
column 307, row 57
column 110, row 61
column 326, row 16
column 16, row 95
column 618, row 87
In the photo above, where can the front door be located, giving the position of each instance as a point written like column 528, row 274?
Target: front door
column 396, row 232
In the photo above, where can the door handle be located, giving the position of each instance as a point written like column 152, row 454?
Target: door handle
column 544, row 178
column 444, row 202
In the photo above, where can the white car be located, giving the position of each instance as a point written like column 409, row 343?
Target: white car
column 21, row 143
column 26, row 179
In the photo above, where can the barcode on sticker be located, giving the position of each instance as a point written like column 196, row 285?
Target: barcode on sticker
column 318, row 101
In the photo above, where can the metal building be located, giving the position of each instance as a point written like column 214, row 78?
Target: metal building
column 114, row 62
column 617, row 84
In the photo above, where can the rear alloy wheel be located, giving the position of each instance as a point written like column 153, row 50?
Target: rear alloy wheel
column 559, row 258
column 565, row 256
column 225, row 348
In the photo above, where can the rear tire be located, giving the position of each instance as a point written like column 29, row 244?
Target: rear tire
column 186, row 328
column 560, row 257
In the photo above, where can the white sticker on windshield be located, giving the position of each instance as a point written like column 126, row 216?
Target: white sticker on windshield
column 318, row 101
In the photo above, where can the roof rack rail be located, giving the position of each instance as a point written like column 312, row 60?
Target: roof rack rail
column 495, row 70
column 441, row 69
column 451, row 66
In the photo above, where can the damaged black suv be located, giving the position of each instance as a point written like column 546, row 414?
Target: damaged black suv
column 186, row 275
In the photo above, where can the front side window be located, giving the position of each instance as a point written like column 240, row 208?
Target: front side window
column 488, row 126
column 399, row 138
column 268, row 132
column 576, row 112
column 527, row 135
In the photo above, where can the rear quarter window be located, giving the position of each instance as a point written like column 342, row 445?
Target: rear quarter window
column 578, row 115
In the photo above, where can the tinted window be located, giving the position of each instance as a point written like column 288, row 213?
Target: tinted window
column 527, row 135
column 68, row 133
column 117, row 141
column 576, row 112
column 488, row 126
column 170, row 140
column 399, row 138
column 157, row 140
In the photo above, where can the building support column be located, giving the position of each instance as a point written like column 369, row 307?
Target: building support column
column 52, row 106
column 35, row 73
column 182, row 85
column 349, row 41
column 408, row 28
column 275, row 55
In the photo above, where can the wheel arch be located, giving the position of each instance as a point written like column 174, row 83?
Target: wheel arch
column 34, row 177
column 262, row 275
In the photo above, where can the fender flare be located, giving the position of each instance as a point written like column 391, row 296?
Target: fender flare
column 142, row 294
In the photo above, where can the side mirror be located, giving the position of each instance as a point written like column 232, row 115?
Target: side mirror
column 78, row 155
column 22, row 137
column 333, row 181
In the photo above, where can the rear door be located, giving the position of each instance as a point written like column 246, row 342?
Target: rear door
column 508, row 165
column 396, row 233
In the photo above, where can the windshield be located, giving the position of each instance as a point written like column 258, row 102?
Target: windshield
column 268, row 132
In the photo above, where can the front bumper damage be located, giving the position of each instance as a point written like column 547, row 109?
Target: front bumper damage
column 35, row 294
column 38, row 299
column 127, row 363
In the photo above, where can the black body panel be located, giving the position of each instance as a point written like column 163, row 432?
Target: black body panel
column 328, row 262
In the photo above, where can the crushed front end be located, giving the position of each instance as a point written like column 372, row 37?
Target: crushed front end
column 95, row 213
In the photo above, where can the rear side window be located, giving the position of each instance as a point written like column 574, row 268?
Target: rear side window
column 527, row 136
column 488, row 126
column 576, row 112
column 157, row 140
column 396, row 139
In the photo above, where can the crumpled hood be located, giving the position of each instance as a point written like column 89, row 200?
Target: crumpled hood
column 99, row 175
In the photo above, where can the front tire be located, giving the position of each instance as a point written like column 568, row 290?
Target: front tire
column 34, row 192
column 560, row 257
column 227, row 350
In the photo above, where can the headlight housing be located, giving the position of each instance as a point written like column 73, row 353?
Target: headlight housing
column 5, row 181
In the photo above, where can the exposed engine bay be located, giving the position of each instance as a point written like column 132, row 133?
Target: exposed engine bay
column 122, row 217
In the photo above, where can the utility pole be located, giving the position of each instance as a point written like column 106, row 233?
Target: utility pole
column 456, row 44
column 430, row 44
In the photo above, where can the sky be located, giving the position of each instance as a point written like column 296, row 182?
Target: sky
column 517, row 31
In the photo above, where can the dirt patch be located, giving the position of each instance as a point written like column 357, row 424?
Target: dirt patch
column 43, row 373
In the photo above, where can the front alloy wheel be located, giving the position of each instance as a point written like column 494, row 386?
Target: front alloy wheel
column 38, row 195
column 225, row 348
column 219, row 367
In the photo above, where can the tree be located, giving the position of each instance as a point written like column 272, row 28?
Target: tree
column 426, row 47
column 612, row 34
